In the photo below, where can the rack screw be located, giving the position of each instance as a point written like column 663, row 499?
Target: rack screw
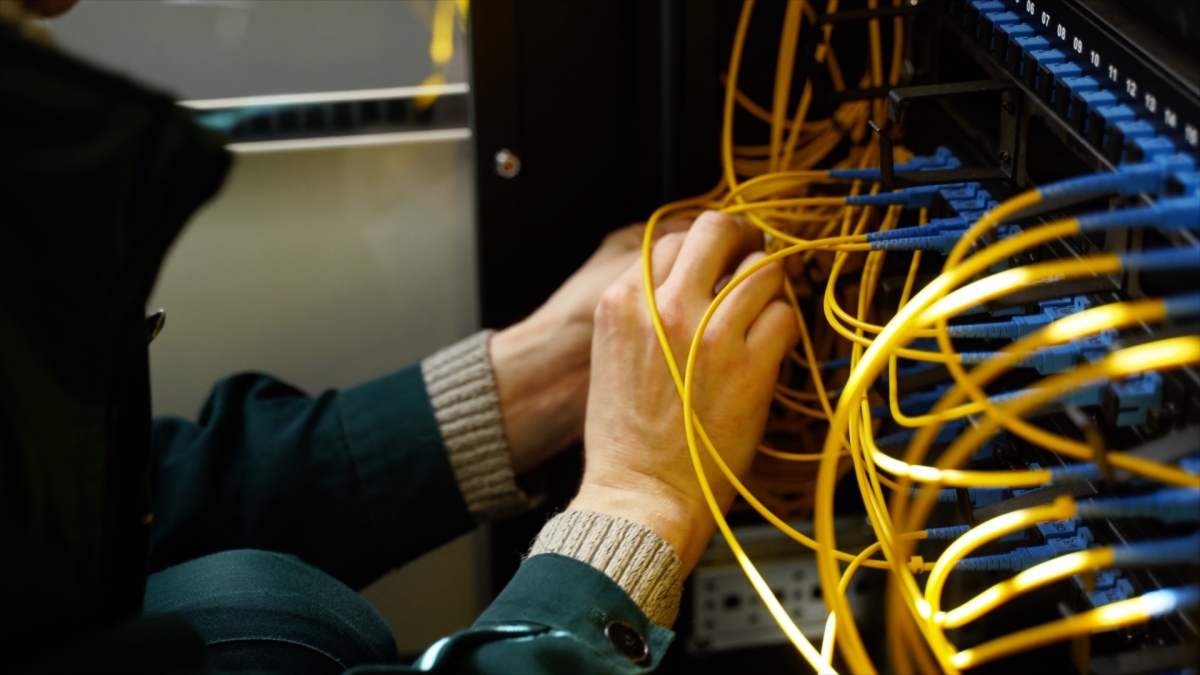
column 508, row 165
column 1004, row 156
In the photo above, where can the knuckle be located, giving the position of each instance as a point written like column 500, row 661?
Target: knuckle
column 671, row 240
column 773, row 273
column 617, row 301
column 669, row 244
column 672, row 312
column 713, row 222
column 716, row 334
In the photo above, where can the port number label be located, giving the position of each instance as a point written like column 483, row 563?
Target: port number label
column 1045, row 19
column 1151, row 103
column 1131, row 89
column 1061, row 32
column 1170, row 118
column 1077, row 44
column 1029, row 7
column 1191, row 134
column 1112, row 73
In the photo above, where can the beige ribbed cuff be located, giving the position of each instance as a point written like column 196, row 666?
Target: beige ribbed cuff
column 462, row 389
column 641, row 562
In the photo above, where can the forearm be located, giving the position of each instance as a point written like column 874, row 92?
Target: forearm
column 541, row 367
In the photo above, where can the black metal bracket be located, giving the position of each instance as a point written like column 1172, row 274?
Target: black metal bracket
column 1006, row 155
column 845, row 95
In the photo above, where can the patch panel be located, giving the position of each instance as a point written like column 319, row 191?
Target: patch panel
column 1092, row 79
column 726, row 613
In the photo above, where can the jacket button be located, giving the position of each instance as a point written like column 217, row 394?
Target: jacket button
column 627, row 641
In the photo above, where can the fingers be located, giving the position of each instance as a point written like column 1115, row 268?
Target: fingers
column 774, row 332
column 664, row 255
column 714, row 242
column 629, row 238
column 748, row 300
column 662, row 259
column 674, row 225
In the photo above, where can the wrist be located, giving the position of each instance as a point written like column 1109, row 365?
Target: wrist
column 541, row 367
column 683, row 523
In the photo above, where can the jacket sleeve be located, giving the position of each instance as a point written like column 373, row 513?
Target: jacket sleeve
column 597, row 594
column 354, row 482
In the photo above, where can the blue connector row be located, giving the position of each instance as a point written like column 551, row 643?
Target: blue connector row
column 1023, row 558
column 1115, row 588
column 1182, row 306
column 1108, row 115
column 918, row 197
column 1112, row 586
column 1054, row 359
column 1020, row 326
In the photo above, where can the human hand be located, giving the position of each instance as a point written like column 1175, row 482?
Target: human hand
column 542, row 363
column 637, row 464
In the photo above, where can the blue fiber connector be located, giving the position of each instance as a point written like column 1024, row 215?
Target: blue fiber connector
column 1176, row 213
column 936, row 242
column 1054, row 359
column 1084, row 186
column 1170, row 505
column 1023, row 558
column 1190, row 464
column 1151, row 175
column 911, row 198
column 1129, row 179
column 947, row 533
column 1162, row 259
column 1135, row 397
column 1020, row 326
column 948, row 433
column 1086, row 472
column 1189, row 182
column 933, row 227
column 960, row 191
column 1058, row 529
column 1176, row 551
column 1168, row 600
column 942, row 158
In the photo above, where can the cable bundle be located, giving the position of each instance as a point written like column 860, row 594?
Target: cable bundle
column 842, row 226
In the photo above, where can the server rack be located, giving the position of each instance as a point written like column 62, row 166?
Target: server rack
column 624, row 116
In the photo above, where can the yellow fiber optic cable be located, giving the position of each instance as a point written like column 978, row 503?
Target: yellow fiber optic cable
column 1063, row 508
column 869, row 367
column 1033, row 578
column 785, row 61
column 1115, row 615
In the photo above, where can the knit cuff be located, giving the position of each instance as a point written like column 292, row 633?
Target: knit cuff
column 462, row 391
column 641, row 562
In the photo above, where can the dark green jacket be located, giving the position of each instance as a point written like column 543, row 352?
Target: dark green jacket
column 99, row 176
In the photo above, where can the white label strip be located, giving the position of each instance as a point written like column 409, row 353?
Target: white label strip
column 362, row 140
column 329, row 96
